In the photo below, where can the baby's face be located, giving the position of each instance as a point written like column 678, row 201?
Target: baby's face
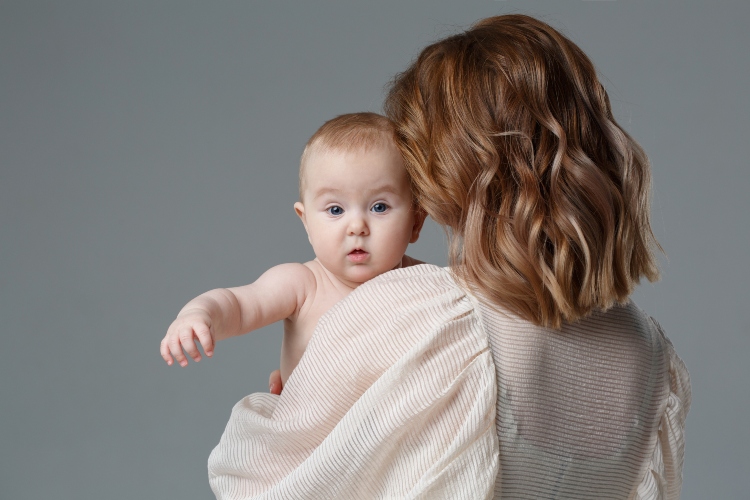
column 358, row 212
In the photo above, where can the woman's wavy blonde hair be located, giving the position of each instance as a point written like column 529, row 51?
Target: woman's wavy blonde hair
column 509, row 139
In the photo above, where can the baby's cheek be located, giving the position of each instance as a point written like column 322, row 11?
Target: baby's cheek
column 397, row 246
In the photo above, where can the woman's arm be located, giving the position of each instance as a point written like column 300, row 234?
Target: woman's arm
column 227, row 312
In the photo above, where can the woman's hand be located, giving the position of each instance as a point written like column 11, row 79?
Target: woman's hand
column 189, row 325
column 274, row 382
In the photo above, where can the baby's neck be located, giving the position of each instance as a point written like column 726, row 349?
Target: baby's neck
column 340, row 284
column 347, row 286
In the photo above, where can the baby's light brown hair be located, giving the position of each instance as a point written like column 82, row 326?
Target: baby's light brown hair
column 347, row 133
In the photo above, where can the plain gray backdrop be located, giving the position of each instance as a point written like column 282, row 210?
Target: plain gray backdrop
column 149, row 153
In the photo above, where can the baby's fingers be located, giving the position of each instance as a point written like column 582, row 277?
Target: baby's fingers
column 206, row 339
column 176, row 349
column 186, row 339
column 274, row 382
column 164, row 350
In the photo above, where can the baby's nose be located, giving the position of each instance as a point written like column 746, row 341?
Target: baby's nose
column 358, row 227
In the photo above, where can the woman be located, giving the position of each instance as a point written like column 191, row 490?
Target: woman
column 523, row 371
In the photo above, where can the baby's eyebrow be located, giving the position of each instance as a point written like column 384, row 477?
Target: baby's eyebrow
column 326, row 191
column 384, row 188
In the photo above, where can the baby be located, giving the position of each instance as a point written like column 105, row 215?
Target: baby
column 358, row 211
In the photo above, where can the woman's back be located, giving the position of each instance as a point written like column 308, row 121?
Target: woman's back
column 511, row 143
column 578, row 409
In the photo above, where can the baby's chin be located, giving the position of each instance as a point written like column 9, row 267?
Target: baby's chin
column 356, row 276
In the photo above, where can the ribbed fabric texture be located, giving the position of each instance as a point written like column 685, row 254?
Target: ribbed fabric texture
column 412, row 388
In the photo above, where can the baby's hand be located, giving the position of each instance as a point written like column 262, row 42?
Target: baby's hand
column 181, row 334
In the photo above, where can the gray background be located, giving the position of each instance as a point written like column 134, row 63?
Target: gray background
column 149, row 153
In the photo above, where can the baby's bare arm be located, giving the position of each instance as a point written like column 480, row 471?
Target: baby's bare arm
column 278, row 294
column 227, row 312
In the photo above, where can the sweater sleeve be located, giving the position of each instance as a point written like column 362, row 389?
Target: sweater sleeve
column 663, row 478
column 394, row 398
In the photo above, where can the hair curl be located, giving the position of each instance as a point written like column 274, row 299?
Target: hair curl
column 510, row 141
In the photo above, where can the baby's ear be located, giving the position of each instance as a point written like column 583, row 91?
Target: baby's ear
column 299, row 209
column 419, row 216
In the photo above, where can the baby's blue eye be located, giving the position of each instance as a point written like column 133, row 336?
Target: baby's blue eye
column 335, row 210
column 379, row 208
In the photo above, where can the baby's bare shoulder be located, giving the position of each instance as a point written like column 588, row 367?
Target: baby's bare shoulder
column 291, row 284
column 293, row 277
column 293, row 270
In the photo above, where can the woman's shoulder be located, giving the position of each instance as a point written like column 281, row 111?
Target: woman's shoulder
column 419, row 276
column 418, row 294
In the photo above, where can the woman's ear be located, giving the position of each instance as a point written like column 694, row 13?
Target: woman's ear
column 419, row 216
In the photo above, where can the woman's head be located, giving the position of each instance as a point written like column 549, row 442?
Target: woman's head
column 510, row 142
